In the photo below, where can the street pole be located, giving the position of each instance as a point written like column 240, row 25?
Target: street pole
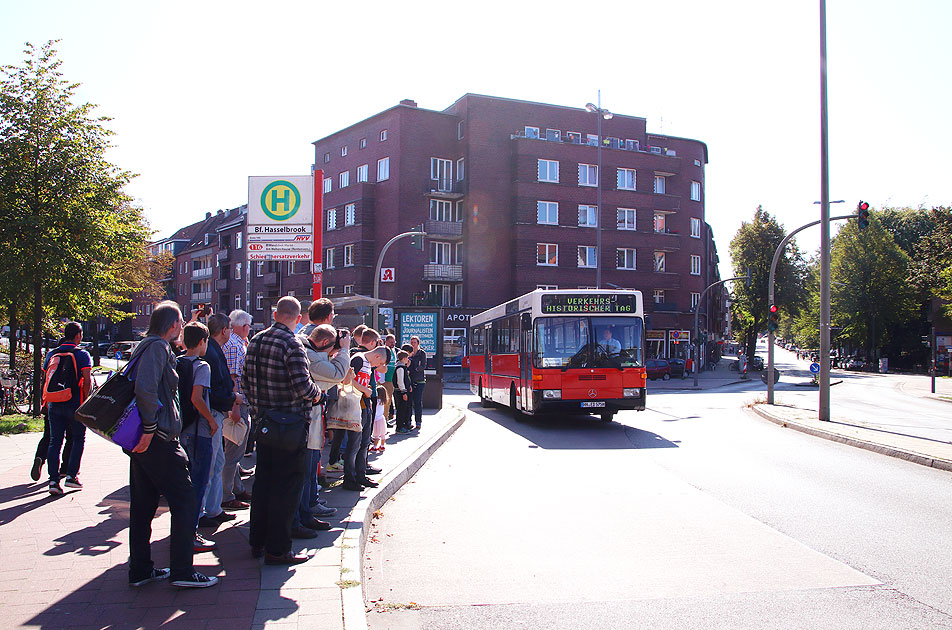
column 317, row 260
column 601, row 113
column 824, row 406
column 697, row 308
column 770, row 299
column 383, row 252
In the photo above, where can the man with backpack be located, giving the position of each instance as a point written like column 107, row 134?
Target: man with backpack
column 67, row 383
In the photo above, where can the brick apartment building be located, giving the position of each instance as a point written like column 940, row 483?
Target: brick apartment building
column 506, row 191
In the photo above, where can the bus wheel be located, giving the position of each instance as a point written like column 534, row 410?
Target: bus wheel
column 607, row 416
column 512, row 403
column 485, row 403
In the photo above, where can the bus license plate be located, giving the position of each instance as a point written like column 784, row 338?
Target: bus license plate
column 593, row 404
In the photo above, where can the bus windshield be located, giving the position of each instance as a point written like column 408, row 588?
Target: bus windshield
column 588, row 342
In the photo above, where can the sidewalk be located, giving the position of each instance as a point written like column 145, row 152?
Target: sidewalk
column 63, row 560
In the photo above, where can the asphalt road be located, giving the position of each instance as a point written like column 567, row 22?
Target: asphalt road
column 693, row 514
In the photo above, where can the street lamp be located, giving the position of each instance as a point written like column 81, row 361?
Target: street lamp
column 607, row 115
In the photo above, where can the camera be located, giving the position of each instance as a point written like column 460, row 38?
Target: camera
column 203, row 310
column 340, row 333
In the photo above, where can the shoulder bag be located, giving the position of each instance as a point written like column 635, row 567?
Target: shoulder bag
column 280, row 430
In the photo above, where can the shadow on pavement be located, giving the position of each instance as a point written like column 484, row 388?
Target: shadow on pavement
column 95, row 540
column 573, row 432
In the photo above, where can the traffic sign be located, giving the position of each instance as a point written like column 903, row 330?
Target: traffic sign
column 776, row 376
column 283, row 200
column 815, row 368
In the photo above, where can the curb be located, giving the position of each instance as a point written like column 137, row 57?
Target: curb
column 354, row 539
column 882, row 449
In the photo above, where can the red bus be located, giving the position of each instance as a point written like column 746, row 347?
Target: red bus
column 564, row 350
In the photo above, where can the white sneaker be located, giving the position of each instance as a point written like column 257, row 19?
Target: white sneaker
column 198, row 580
column 55, row 488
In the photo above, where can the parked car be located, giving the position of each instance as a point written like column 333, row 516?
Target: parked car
column 124, row 348
column 856, row 364
column 677, row 367
column 658, row 368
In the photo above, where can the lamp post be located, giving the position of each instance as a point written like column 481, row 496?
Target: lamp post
column 602, row 113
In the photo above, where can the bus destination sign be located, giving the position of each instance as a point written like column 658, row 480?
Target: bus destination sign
column 582, row 304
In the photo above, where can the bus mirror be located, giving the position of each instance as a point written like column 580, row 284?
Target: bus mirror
column 526, row 321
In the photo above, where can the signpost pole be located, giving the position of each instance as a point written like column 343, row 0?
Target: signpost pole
column 317, row 259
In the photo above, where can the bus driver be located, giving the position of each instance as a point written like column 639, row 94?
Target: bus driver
column 609, row 344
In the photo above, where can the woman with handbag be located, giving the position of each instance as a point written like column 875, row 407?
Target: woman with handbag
column 344, row 415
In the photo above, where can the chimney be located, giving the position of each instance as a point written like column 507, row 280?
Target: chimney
column 409, row 102
column 208, row 215
column 219, row 212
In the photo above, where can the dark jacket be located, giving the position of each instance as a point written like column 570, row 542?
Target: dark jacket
column 221, row 393
column 156, row 388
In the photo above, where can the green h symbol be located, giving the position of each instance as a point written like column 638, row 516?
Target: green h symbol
column 285, row 198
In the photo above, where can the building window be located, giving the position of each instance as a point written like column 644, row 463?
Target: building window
column 383, row 135
column 349, row 255
column 547, row 212
column 658, row 295
column 237, row 301
column 327, row 184
column 695, row 191
column 587, row 175
column 238, row 240
column 441, row 253
column 258, row 297
column 383, row 169
column 445, row 211
column 574, row 137
column 592, row 139
column 695, row 227
column 625, row 258
column 547, row 287
column 345, row 179
column 626, row 179
column 547, row 254
column 260, row 270
column 460, row 163
column 659, row 222
column 329, row 290
column 362, row 144
column 332, row 219
column 343, row 151
column 659, row 184
column 457, row 295
column 327, row 158
column 587, row 216
column 459, row 130
column 659, row 261
column 329, row 258
column 350, row 214
column 441, row 292
column 631, row 145
column 441, row 169
column 586, row 256
column 549, row 171
column 553, row 135
column 626, row 219
column 697, row 162
column 362, row 173
column 348, row 289
column 532, row 132
column 695, row 298
column 238, row 271
column 695, row 265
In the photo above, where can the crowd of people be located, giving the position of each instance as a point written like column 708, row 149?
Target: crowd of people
column 209, row 393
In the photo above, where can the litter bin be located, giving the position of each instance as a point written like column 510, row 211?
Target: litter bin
column 883, row 365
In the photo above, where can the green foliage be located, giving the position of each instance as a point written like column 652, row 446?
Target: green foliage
column 69, row 239
column 753, row 247
column 931, row 267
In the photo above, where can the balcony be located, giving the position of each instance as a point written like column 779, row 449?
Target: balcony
column 205, row 272
column 221, row 284
column 224, row 255
column 444, row 188
column 442, row 273
column 204, row 296
column 448, row 230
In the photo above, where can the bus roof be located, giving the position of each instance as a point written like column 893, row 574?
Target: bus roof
column 556, row 302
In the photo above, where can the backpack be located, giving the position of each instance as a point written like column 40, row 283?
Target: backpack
column 62, row 377
column 186, row 373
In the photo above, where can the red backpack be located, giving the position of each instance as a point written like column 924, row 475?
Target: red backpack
column 62, row 375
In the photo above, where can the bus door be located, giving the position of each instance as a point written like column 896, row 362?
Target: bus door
column 525, row 361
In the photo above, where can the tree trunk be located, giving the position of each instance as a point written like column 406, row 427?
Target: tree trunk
column 13, row 335
column 37, row 352
column 95, row 324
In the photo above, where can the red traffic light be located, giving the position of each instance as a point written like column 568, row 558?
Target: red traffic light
column 773, row 308
column 862, row 206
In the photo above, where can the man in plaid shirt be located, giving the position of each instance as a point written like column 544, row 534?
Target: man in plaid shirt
column 276, row 377
column 234, row 495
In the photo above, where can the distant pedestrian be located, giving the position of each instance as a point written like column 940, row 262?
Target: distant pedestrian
column 418, row 378
column 157, row 465
column 401, row 391
column 70, row 367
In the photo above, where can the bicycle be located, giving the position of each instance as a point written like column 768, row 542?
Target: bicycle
column 8, row 384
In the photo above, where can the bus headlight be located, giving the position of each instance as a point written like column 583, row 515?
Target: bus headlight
column 552, row 394
column 632, row 392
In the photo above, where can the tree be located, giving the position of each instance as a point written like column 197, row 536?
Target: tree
column 753, row 247
column 931, row 267
column 870, row 294
column 67, row 230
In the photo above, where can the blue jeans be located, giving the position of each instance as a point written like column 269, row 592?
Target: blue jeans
column 61, row 416
column 213, row 495
column 309, row 490
column 199, row 451
column 418, row 401
column 367, row 422
column 351, row 476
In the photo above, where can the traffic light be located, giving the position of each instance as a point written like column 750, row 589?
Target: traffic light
column 772, row 323
column 862, row 215
column 416, row 241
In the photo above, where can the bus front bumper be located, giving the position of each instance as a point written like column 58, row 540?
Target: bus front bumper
column 596, row 407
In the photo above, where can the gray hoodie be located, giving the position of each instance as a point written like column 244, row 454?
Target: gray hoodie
column 325, row 373
column 157, row 388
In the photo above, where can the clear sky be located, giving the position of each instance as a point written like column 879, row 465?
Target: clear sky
column 206, row 93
